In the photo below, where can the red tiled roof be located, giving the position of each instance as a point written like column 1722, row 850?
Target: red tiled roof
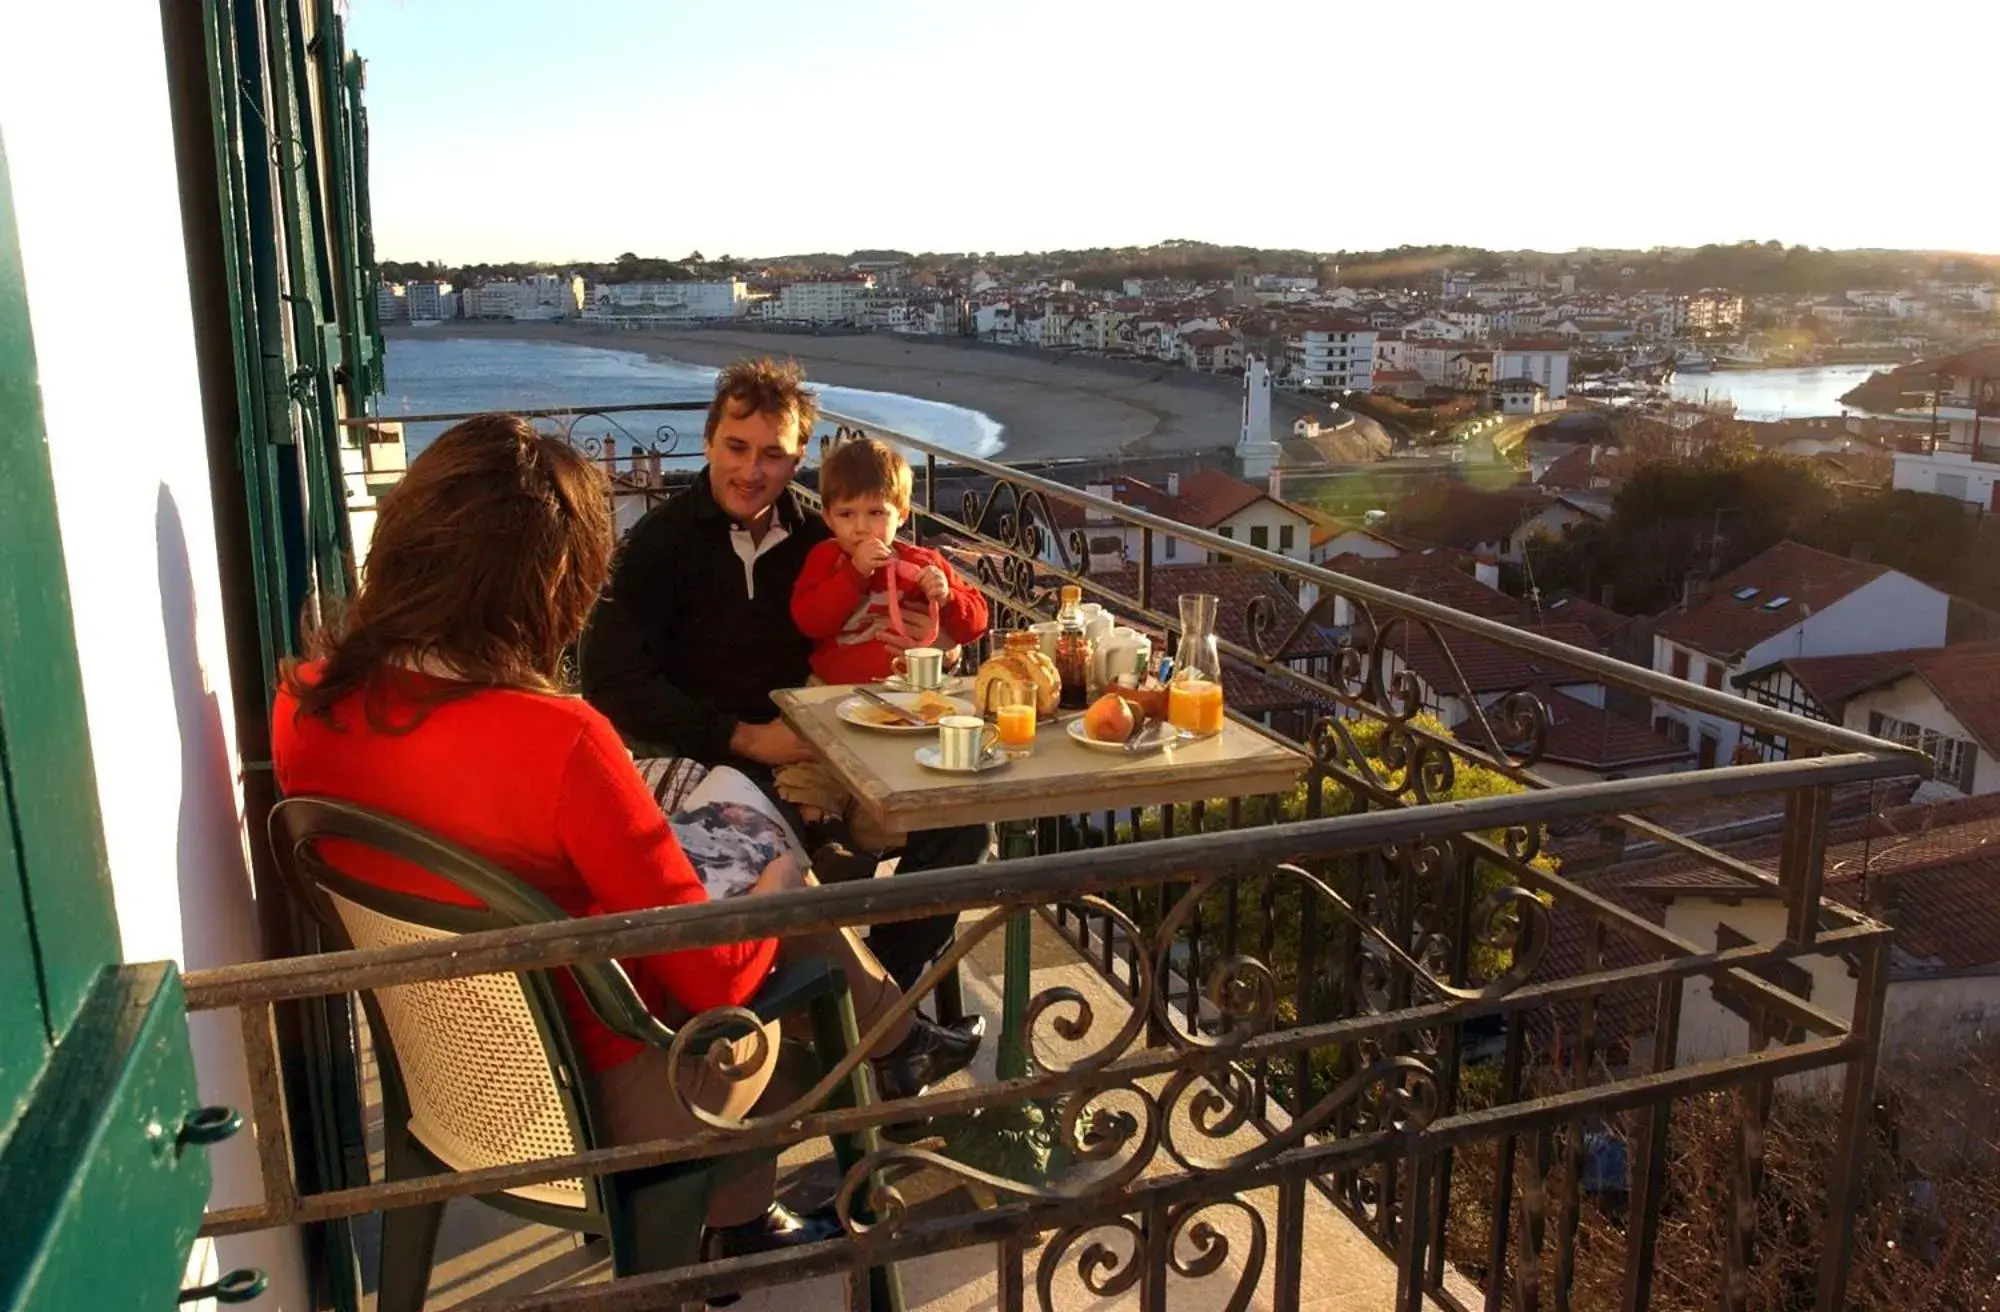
column 1436, row 574
column 1538, row 344
column 1600, row 620
column 1966, row 678
column 1831, row 680
column 1931, row 871
column 1809, row 580
column 1487, row 666
column 1574, row 468
column 1212, row 496
column 1452, row 514
column 1593, row 738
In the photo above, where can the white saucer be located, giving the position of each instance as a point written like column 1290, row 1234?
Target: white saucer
column 930, row 759
column 956, row 683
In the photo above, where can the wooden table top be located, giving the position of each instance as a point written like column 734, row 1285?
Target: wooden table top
column 1059, row 777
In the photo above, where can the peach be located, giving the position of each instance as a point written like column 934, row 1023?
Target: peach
column 1109, row 719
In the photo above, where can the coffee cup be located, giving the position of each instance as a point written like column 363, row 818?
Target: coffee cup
column 922, row 668
column 964, row 740
column 1045, row 633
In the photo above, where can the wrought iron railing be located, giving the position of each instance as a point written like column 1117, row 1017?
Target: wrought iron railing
column 1327, row 968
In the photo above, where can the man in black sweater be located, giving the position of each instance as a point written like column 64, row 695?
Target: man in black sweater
column 695, row 631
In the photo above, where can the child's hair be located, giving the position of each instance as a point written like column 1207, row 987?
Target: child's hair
column 864, row 467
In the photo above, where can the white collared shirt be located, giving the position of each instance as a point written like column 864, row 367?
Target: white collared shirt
column 749, row 549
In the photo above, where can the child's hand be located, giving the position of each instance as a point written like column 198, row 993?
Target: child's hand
column 871, row 556
column 934, row 584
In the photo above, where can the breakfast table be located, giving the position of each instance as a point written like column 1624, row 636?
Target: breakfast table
column 1059, row 776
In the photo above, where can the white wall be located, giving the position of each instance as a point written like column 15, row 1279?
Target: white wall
column 1912, row 700
column 1710, row 1031
column 1921, row 1015
column 131, row 474
column 1920, row 473
column 1272, row 517
column 1892, row 612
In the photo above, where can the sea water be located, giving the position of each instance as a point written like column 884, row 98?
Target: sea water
column 456, row 375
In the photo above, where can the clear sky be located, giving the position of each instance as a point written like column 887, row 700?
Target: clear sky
column 530, row 129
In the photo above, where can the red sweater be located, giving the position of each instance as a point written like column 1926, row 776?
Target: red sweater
column 845, row 614
column 540, row 785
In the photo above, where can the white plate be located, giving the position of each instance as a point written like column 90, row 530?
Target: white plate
column 931, row 759
column 860, row 712
column 957, row 683
column 1166, row 740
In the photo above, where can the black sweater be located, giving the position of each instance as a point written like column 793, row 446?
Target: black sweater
column 684, row 643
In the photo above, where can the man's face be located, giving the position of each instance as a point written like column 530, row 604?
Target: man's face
column 751, row 460
column 856, row 520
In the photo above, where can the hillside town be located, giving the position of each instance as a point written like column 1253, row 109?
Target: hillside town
column 1448, row 331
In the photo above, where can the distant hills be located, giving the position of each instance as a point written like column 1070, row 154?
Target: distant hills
column 1750, row 266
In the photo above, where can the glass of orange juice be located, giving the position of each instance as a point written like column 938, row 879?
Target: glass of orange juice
column 1195, row 706
column 1017, row 728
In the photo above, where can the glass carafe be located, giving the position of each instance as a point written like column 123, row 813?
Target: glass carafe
column 1194, row 698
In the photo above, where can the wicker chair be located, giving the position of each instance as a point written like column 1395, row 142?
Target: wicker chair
column 483, row 1071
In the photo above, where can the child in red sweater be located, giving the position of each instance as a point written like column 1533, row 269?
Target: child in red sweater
column 847, row 593
column 854, row 595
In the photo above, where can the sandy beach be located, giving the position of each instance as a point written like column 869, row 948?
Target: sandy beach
column 1052, row 407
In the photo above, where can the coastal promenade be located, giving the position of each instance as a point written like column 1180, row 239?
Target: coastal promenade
column 1053, row 407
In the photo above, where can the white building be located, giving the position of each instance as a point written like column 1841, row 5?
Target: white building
column 1791, row 601
column 1944, row 976
column 1942, row 703
column 1520, row 396
column 430, row 302
column 994, row 322
column 1964, row 454
column 1335, row 354
column 492, row 300
column 1433, row 357
column 835, row 300
column 1542, row 362
column 666, row 302
column 1206, row 499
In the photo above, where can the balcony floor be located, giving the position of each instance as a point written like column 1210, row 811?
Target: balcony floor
column 485, row 1253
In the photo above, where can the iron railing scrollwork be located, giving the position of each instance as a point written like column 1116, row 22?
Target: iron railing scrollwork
column 1306, row 980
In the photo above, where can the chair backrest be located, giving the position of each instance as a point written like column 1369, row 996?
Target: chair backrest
column 485, row 1064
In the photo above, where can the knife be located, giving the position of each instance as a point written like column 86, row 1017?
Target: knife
column 907, row 717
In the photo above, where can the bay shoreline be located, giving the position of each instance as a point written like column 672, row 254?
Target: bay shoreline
column 1051, row 406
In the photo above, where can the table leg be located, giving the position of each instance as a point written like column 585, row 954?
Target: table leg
column 1018, row 1141
column 1012, row 1061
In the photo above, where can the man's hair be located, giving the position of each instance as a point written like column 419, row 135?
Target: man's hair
column 763, row 387
column 864, row 467
column 486, row 557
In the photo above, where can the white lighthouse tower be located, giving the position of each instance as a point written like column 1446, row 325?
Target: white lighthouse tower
column 1255, row 450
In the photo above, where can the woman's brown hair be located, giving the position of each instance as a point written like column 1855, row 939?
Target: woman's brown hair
column 485, row 560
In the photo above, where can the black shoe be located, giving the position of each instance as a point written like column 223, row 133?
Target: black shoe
column 834, row 864
column 931, row 1053
column 780, row 1227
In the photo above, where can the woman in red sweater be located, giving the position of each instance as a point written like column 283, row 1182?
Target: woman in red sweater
column 438, row 699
